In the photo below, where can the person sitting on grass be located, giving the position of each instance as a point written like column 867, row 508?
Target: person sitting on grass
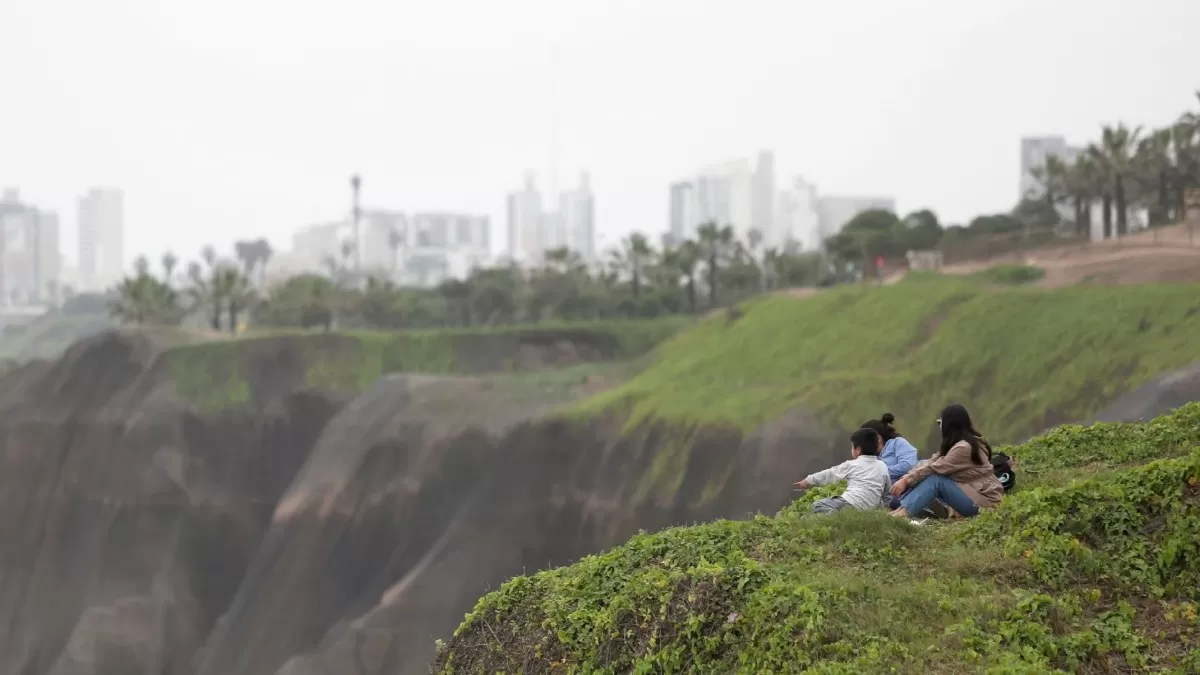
column 866, row 477
column 895, row 450
column 960, row 475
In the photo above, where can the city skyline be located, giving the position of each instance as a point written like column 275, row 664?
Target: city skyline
column 220, row 133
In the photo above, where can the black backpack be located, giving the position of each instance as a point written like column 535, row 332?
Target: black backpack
column 1002, row 464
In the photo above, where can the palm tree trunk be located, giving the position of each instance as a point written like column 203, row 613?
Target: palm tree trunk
column 1122, row 216
column 1107, row 217
column 215, row 320
column 1080, row 217
column 691, row 291
column 637, row 282
column 1164, row 199
column 712, row 280
column 233, row 317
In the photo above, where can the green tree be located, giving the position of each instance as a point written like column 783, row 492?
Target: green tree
column 144, row 299
column 1115, row 153
column 716, row 245
column 636, row 254
column 922, row 231
column 872, row 233
column 305, row 301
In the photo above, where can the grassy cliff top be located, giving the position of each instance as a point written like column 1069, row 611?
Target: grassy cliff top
column 216, row 373
column 1091, row 566
column 1022, row 359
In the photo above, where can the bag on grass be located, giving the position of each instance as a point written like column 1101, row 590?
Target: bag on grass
column 1002, row 464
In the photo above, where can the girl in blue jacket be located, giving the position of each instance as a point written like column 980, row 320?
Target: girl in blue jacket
column 895, row 450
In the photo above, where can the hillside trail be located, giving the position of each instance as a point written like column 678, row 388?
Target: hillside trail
column 1167, row 255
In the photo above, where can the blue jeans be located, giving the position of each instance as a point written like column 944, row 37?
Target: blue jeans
column 937, row 486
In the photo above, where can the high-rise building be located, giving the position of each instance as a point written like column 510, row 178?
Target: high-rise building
column 525, row 224
column 30, row 259
column 731, row 193
column 101, row 213
column 576, row 219
column 762, row 208
column 534, row 229
column 797, row 220
column 423, row 249
column 682, row 207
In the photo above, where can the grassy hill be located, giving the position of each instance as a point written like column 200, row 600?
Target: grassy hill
column 223, row 372
column 1092, row 566
column 1022, row 359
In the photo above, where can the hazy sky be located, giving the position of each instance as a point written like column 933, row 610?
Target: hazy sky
column 224, row 119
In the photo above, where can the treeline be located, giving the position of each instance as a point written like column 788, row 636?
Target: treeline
column 1126, row 167
column 636, row 279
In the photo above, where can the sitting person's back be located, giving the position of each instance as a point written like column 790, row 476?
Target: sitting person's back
column 867, row 481
column 895, row 450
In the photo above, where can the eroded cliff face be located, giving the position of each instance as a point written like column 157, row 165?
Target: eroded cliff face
column 127, row 520
column 305, row 533
column 405, row 514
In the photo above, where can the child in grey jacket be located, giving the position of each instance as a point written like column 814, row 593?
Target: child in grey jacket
column 868, row 485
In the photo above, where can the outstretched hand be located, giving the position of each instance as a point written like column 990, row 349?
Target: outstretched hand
column 801, row 485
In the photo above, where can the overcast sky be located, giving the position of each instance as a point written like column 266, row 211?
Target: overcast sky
column 224, row 119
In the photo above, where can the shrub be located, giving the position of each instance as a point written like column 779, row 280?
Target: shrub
column 1012, row 275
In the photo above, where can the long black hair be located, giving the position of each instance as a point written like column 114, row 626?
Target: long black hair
column 883, row 426
column 956, row 426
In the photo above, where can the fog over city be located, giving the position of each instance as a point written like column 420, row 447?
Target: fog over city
column 225, row 120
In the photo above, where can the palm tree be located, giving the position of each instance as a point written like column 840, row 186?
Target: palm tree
column 263, row 253
column 1155, row 168
column 246, row 254
column 143, row 299
column 395, row 240
column 637, row 254
column 684, row 259
column 1115, row 154
column 235, row 288
column 169, row 261
column 204, row 290
column 715, row 243
column 1083, row 183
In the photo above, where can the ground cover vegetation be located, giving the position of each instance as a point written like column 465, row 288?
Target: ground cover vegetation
column 1091, row 566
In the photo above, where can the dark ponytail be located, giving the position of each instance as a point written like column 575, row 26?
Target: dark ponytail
column 884, row 426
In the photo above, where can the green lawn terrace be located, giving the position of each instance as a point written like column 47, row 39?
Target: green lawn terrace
column 213, row 373
column 1023, row 359
column 1092, row 565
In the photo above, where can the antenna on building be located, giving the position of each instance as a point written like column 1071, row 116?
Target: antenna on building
column 553, row 177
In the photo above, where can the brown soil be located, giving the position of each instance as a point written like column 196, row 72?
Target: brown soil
column 1161, row 256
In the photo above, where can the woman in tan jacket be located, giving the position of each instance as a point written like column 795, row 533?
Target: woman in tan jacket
column 960, row 475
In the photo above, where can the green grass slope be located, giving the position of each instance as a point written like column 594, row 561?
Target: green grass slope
column 1022, row 359
column 1093, row 566
column 217, row 374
